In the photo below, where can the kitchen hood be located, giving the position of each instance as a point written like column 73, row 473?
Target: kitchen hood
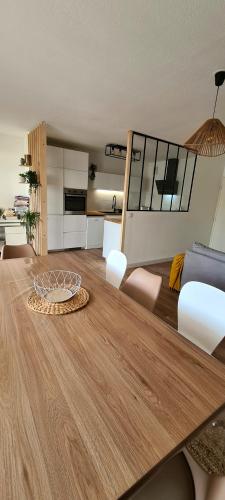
column 169, row 185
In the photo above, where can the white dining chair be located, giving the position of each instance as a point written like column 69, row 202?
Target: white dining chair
column 172, row 481
column 201, row 319
column 143, row 287
column 116, row 264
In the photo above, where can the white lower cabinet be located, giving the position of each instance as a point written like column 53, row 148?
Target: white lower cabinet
column 15, row 235
column 74, row 239
column 66, row 231
column 95, row 228
column 112, row 236
column 55, row 232
column 74, row 223
column 74, row 231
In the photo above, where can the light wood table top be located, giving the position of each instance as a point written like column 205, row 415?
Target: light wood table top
column 92, row 402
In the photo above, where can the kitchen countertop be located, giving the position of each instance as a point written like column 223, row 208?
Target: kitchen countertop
column 95, row 213
column 10, row 221
column 110, row 217
column 115, row 219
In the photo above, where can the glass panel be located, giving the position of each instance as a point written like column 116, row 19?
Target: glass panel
column 170, row 184
column 135, row 174
column 188, row 181
column 162, row 179
column 175, row 199
column 148, row 173
column 160, row 172
column 180, row 163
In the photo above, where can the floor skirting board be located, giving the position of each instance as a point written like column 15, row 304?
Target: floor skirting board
column 149, row 262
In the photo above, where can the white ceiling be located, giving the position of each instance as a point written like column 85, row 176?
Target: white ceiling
column 92, row 69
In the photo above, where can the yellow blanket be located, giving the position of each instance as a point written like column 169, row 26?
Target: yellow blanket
column 176, row 271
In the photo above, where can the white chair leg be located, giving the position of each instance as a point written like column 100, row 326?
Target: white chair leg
column 216, row 490
column 200, row 477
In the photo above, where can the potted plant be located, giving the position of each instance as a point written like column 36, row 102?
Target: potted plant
column 30, row 221
column 30, row 177
column 1, row 212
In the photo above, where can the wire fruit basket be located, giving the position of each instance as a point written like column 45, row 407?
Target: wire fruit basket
column 57, row 286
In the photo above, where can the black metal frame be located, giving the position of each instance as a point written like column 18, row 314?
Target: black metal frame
column 179, row 146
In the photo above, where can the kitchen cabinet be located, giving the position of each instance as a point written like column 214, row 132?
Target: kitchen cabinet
column 65, row 168
column 15, row 235
column 95, row 228
column 74, row 231
column 74, row 239
column 75, row 180
column 55, row 232
column 74, row 223
column 75, row 160
column 54, row 190
column 111, row 182
column 54, row 157
column 112, row 237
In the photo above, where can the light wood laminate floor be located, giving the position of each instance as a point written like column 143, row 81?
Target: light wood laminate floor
column 166, row 307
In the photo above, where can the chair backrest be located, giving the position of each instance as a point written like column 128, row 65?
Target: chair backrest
column 17, row 251
column 201, row 315
column 116, row 265
column 144, row 287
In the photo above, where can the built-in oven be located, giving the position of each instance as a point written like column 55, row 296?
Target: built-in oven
column 75, row 201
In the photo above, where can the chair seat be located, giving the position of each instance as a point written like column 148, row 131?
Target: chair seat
column 17, row 251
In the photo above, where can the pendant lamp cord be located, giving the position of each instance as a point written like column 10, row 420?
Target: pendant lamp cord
column 215, row 102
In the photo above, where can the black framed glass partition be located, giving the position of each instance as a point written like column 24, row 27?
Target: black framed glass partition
column 163, row 178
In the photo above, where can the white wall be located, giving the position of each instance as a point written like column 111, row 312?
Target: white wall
column 11, row 150
column 153, row 236
column 217, row 239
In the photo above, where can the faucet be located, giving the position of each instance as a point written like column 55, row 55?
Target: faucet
column 114, row 203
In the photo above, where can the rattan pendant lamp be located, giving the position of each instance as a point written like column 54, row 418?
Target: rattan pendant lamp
column 209, row 139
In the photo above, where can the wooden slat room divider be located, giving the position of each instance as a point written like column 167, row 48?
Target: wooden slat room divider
column 37, row 140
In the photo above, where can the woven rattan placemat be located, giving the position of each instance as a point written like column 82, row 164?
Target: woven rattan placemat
column 208, row 448
column 37, row 304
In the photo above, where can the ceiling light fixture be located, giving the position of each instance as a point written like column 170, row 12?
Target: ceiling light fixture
column 120, row 152
column 209, row 139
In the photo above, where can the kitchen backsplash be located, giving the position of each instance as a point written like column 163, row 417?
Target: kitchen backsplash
column 102, row 200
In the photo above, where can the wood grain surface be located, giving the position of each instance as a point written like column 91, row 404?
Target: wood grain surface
column 93, row 401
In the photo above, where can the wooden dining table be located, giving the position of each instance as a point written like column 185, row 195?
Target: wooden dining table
column 93, row 402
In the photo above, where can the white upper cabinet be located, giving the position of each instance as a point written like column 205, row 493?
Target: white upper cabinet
column 75, row 160
column 54, row 157
column 74, row 179
column 55, row 190
column 111, row 182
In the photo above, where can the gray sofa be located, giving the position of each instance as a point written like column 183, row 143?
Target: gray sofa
column 204, row 264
